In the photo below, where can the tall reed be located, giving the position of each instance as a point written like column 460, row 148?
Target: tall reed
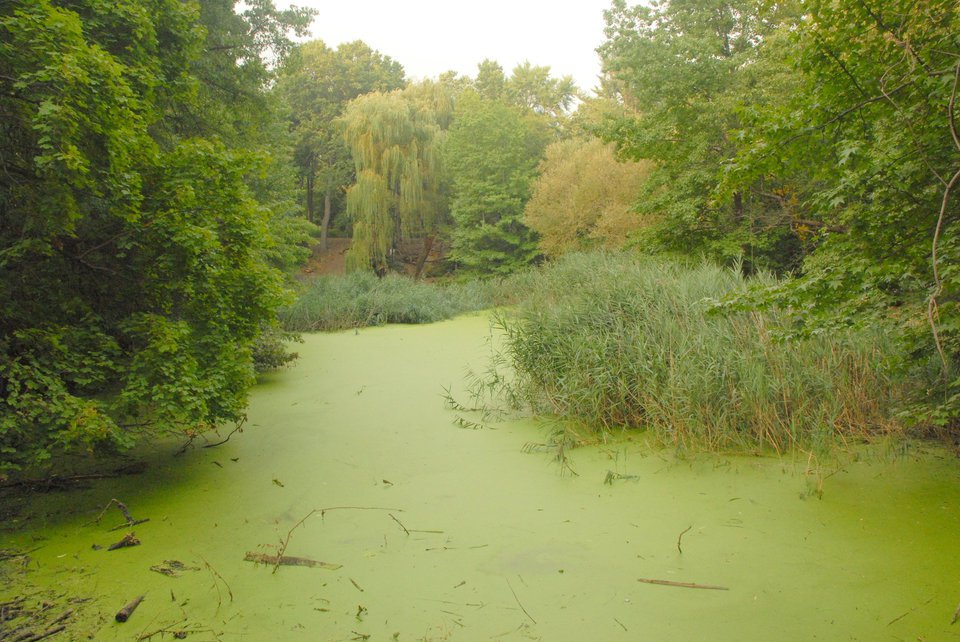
column 614, row 341
column 361, row 299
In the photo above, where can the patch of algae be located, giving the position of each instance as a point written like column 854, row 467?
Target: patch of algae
column 479, row 540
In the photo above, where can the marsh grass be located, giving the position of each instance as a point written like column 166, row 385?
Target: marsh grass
column 610, row 341
column 361, row 299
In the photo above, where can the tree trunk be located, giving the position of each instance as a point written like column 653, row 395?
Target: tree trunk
column 325, row 224
column 310, row 179
column 427, row 246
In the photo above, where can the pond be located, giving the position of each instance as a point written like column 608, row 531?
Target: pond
column 446, row 533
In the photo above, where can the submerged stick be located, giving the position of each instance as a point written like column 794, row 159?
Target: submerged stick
column 124, row 614
column 680, row 537
column 36, row 637
column 692, row 585
column 323, row 511
column 289, row 560
column 518, row 602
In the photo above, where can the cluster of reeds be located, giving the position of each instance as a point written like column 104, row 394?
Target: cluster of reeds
column 612, row 341
column 361, row 299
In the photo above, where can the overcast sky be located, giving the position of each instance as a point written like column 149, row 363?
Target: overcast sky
column 429, row 37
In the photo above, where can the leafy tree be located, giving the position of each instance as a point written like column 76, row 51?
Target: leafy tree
column 317, row 86
column 583, row 197
column 491, row 83
column 534, row 88
column 869, row 142
column 491, row 152
column 399, row 192
column 687, row 69
column 133, row 253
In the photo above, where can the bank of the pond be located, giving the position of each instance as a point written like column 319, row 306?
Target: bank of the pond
column 498, row 545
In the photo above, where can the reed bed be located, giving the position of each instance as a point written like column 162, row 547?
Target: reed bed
column 613, row 341
column 361, row 299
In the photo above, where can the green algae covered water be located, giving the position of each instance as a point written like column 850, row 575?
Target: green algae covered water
column 442, row 533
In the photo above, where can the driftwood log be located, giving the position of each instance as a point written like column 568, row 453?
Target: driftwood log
column 124, row 614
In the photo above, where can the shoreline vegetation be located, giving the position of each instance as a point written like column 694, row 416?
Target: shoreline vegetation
column 605, row 341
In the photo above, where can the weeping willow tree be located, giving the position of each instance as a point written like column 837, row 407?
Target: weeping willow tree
column 394, row 139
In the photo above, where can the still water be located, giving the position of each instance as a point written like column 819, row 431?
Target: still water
column 454, row 534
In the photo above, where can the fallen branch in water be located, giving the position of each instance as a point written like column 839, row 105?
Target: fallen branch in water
column 323, row 511
column 123, row 511
column 124, row 614
column 956, row 615
column 66, row 482
column 36, row 637
column 289, row 560
column 682, row 584
column 128, row 540
column 239, row 428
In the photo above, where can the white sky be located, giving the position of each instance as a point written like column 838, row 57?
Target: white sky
column 429, row 37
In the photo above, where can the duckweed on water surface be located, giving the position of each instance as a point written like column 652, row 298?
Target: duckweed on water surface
column 498, row 545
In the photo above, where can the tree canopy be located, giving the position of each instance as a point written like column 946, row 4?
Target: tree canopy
column 399, row 192
column 134, row 253
column 584, row 197
column 316, row 86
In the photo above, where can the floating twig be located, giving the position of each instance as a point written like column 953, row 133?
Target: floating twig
column 622, row 625
column 680, row 537
column 526, row 612
column 900, row 617
column 956, row 615
column 172, row 628
column 400, row 523
column 216, row 584
column 354, row 582
column 124, row 614
column 682, row 584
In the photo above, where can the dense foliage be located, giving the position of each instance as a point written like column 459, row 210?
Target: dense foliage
column 491, row 155
column 818, row 139
column 135, row 255
column 317, row 84
column 584, row 197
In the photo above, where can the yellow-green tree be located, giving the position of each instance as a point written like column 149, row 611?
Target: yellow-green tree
column 394, row 141
column 584, row 197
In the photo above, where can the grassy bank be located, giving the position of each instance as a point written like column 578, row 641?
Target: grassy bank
column 611, row 341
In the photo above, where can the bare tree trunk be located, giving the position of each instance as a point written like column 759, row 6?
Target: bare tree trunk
column 310, row 180
column 327, row 207
column 427, row 246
